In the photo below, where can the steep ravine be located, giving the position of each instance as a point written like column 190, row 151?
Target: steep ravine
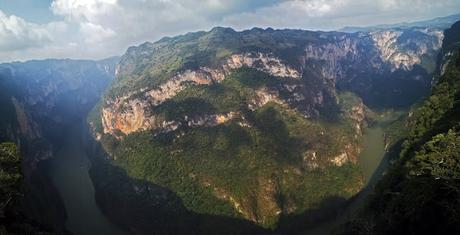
column 39, row 100
column 68, row 171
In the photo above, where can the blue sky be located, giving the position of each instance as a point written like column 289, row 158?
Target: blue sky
column 31, row 10
column 94, row 29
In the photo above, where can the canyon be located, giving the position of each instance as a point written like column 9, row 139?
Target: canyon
column 259, row 131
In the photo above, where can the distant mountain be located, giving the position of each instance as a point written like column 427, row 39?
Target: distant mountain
column 256, row 126
column 50, row 92
column 436, row 23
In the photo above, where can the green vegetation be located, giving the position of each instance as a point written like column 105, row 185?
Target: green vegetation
column 207, row 166
column 94, row 116
column 12, row 219
column 150, row 64
column 247, row 171
column 420, row 193
column 10, row 173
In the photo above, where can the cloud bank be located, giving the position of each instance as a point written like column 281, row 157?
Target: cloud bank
column 100, row 28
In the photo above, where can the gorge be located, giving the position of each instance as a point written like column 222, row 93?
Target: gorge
column 260, row 131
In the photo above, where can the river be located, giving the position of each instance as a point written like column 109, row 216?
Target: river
column 69, row 173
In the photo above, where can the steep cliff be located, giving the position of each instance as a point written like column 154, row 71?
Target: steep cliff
column 257, row 124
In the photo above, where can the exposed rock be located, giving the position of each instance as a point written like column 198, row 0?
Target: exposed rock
column 178, row 83
column 332, row 56
column 340, row 159
column 310, row 160
column 404, row 55
column 128, row 118
column 210, row 120
column 264, row 62
column 27, row 127
column 357, row 114
column 127, row 114
column 263, row 96
column 349, row 154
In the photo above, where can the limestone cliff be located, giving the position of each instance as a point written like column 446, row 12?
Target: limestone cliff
column 132, row 112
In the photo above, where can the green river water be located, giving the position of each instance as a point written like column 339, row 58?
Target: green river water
column 373, row 162
column 69, row 173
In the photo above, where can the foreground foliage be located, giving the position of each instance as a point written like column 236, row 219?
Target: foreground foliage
column 12, row 219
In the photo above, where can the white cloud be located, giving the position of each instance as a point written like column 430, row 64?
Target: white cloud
column 17, row 34
column 85, row 9
column 94, row 33
column 101, row 28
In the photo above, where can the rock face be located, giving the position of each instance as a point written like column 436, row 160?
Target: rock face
column 376, row 53
column 137, row 115
column 263, row 62
column 403, row 51
column 266, row 105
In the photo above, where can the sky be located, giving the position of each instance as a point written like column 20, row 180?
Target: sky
column 96, row 29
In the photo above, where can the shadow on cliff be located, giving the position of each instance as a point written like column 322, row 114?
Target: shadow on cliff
column 140, row 207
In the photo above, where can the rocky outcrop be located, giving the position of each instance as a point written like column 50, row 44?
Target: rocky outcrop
column 27, row 127
column 210, row 120
column 127, row 114
column 349, row 153
column 264, row 62
column 402, row 51
column 264, row 96
column 333, row 59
